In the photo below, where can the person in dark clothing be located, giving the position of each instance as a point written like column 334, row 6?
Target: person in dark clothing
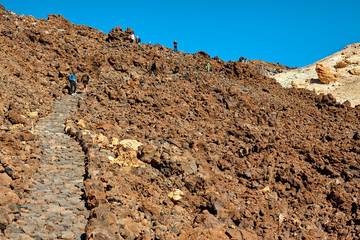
column 175, row 46
column 85, row 80
column 138, row 40
column 242, row 59
column 72, row 80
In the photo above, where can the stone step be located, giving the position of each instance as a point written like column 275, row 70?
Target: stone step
column 54, row 208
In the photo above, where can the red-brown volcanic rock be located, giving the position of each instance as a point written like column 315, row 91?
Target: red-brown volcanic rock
column 251, row 159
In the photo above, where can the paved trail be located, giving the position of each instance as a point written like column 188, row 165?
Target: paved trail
column 54, row 208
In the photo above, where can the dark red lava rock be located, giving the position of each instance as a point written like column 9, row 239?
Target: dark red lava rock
column 247, row 158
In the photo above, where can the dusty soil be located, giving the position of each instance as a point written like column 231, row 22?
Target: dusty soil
column 229, row 154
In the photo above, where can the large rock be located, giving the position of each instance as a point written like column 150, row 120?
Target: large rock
column 16, row 118
column 5, row 180
column 8, row 196
column 341, row 64
column 117, row 34
column 325, row 75
column 102, row 224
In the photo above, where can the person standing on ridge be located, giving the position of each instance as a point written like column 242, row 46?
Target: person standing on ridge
column 72, row 80
column 208, row 67
column 132, row 38
column 85, row 80
column 175, row 46
column 138, row 40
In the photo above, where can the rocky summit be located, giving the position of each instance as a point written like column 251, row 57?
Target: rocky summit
column 160, row 148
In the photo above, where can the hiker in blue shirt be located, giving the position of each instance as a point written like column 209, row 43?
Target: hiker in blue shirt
column 72, row 80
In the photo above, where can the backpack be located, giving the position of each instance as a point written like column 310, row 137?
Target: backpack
column 85, row 78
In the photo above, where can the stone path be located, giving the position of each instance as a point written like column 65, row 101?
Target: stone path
column 54, row 208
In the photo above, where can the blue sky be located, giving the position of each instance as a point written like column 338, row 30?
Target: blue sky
column 293, row 33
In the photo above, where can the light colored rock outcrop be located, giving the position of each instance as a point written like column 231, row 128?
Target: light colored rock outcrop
column 325, row 75
column 340, row 78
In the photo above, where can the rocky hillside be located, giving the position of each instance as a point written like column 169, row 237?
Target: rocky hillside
column 344, row 65
column 172, row 151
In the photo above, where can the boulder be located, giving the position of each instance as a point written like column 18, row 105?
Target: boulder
column 16, row 118
column 5, row 180
column 116, row 34
column 8, row 196
column 341, row 64
column 95, row 193
column 102, row 224
column 325, row 75
column 25, row 136
column 146, row 153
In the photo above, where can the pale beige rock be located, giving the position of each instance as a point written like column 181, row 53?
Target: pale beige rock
column 81, row 123
column 115, row 141
column 298, row 84
column 127, row 159
column 352, row 60
column 266, row 189
column 129, row 143
column 16, row 127
column 318, row 90
column 32, row 114
column 176, row 195
column 102, row 140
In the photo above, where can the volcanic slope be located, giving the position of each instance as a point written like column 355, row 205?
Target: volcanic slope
column 172, row 151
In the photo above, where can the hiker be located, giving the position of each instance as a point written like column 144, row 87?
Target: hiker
column 132, row 38
column 208, row 66
column 242, row 59
column 175, row 46
column 72, row 80
column 85, row 80
column 138, row 40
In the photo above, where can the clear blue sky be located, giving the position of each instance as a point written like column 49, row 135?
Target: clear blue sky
column 293, row 33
